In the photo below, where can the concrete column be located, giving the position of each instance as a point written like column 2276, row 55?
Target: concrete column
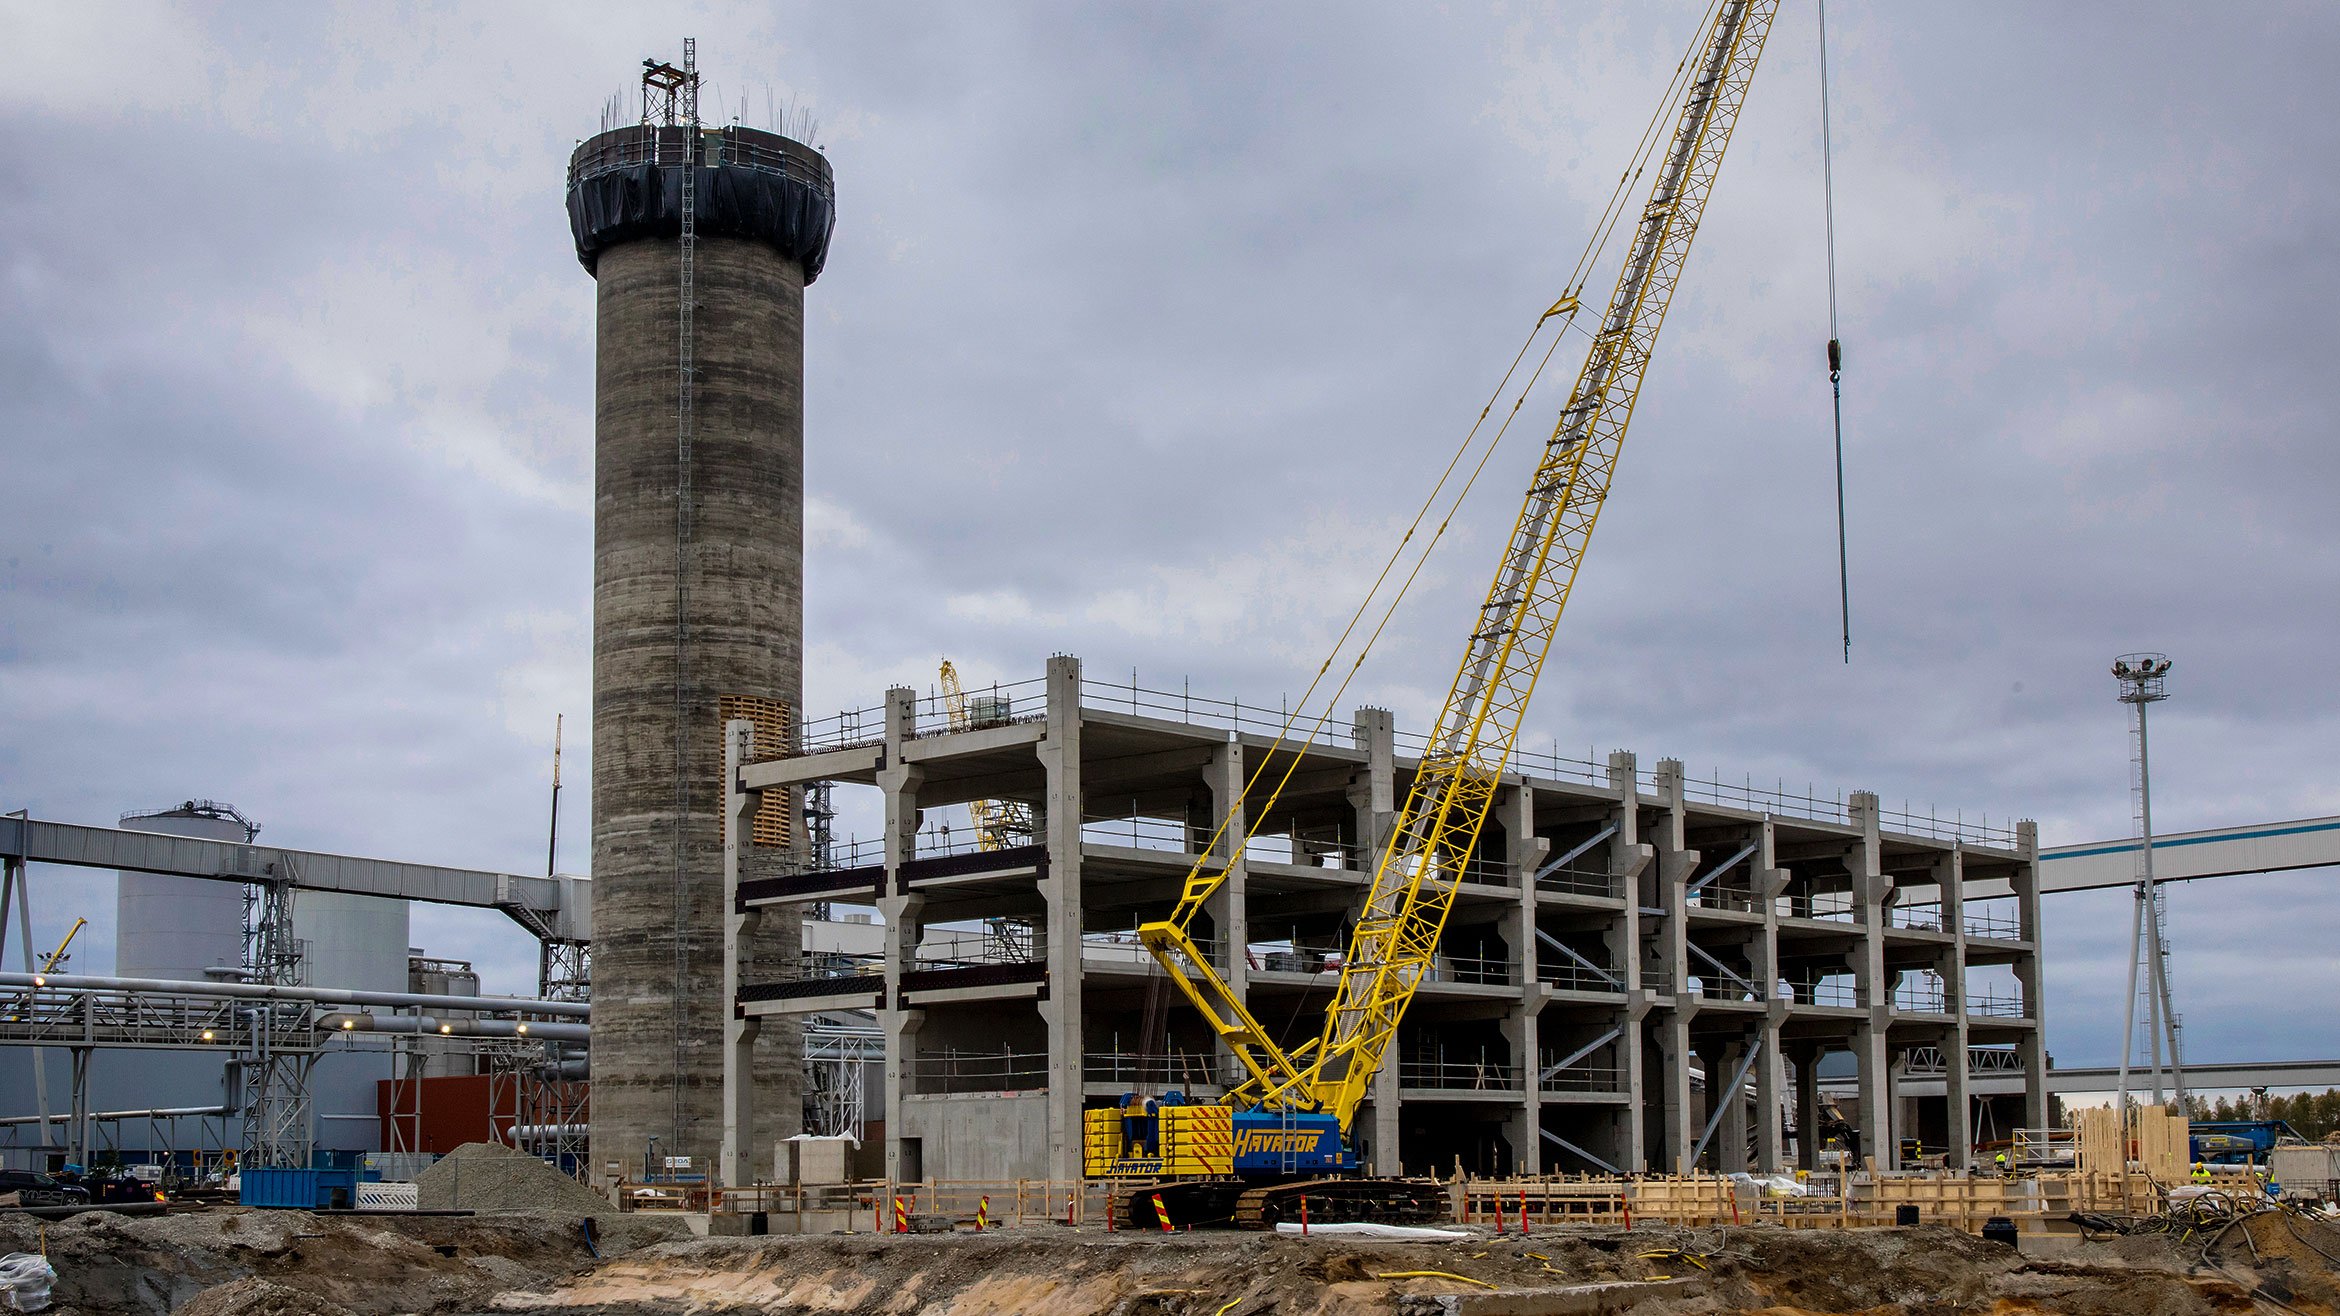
column 2028, row 975
column 1629, row 858
column 1763, row 960
column 1870, row 887
column 1527, row 851
column 1731, row 1137
column 1060, row 1011
column 1373, row 795
column 1951, row 870
column 1669, row 949
column 1808, row 1139
column 737, row 1160
column 1675, row 1112
column 1230, row 906
column 899, row 782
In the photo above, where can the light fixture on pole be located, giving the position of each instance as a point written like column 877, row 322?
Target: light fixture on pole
column 2141, row 677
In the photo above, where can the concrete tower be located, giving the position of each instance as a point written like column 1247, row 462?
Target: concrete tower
column 698, row 582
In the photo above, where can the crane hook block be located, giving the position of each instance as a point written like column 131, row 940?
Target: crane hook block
column 1835, row 357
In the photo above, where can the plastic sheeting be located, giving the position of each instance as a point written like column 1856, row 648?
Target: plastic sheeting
column 794, row 214
column 1397, row 1233
column 25, row 1281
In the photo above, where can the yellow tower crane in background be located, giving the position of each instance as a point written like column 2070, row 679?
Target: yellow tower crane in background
column 998, row 823
column 1289, row 1120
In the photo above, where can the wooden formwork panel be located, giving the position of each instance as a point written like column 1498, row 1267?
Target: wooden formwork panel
column 774, row 823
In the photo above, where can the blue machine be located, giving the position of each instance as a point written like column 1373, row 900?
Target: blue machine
column 2236, row 1142
column 1275, row 1142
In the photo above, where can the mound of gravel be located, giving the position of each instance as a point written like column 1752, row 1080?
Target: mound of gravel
column 481, row 1176
column 253, row 1296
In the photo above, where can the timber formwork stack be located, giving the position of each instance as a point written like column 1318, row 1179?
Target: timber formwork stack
column 1643, row 972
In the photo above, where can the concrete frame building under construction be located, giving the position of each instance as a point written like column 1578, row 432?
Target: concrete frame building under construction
column 1629, row 945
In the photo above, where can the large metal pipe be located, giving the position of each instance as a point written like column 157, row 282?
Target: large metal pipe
column 320, row 995
column 427, row 1025
column 520, row 1133
column 116, row 1116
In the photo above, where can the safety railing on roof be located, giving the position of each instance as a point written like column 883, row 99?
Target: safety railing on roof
column 1995, row 1004
column 1958, row 827
column 949, row 1071
column 999, row 704
column 1581, row 881
column 1824, row 906
column 1569, row 976
column 1188, row 708
column 1920, row 993
column 1993, row 924
column 1579, row 1078
column 1459, row 1075
column 672, row 144
column 848, row 729
column 1530, row 761
column 1473, row 970
column 1141, row 832
column 1916, row 918
column 1002, row 941
column 816, row 965
column 1778, row 800
column 1840, row 991
column 1186, row 1071
column 1716, row 986
column 1123, row 949
column 855, row 852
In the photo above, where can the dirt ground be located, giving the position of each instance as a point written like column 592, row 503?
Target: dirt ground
column 234, row 1262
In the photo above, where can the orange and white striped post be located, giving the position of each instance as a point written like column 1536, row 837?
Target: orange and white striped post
column 983, row 1213
column 1162, row 1213
column 901, row 1216
column 1303, row 1215
column 1523, row 1213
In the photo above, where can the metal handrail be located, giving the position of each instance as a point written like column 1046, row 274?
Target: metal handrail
column 1459, row 1076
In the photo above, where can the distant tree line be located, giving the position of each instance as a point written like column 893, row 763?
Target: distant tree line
column 2312, row 1114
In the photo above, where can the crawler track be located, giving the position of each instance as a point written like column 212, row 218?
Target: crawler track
column 1241, row 1204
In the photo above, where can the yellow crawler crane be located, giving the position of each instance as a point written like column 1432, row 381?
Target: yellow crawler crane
column 1288, row 1133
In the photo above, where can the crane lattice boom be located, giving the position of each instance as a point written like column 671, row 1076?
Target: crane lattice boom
column 1434, row 834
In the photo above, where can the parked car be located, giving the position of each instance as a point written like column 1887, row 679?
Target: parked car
column 32, row 1188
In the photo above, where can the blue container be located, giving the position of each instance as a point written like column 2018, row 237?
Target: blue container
column 304, row 1190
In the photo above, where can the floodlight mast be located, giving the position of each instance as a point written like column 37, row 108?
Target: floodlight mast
column 2141, row 677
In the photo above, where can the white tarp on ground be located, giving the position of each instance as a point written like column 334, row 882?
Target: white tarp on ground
column 1778, row 1185
column 1407, row 1233
column 24, row 1281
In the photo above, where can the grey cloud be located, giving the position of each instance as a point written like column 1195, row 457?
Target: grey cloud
column 296, row 403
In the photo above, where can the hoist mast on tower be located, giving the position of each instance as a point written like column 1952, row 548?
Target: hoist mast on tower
column 1286, row 1128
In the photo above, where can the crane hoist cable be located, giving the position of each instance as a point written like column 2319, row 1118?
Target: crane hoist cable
column 1835, row 345
column 1564, row 310
column 1436, row 831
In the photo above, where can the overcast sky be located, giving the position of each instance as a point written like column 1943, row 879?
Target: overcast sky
column 1143, row 332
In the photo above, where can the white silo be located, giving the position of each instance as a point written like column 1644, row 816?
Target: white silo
column 173, row 927
column 176, row 927
column 358, row 942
